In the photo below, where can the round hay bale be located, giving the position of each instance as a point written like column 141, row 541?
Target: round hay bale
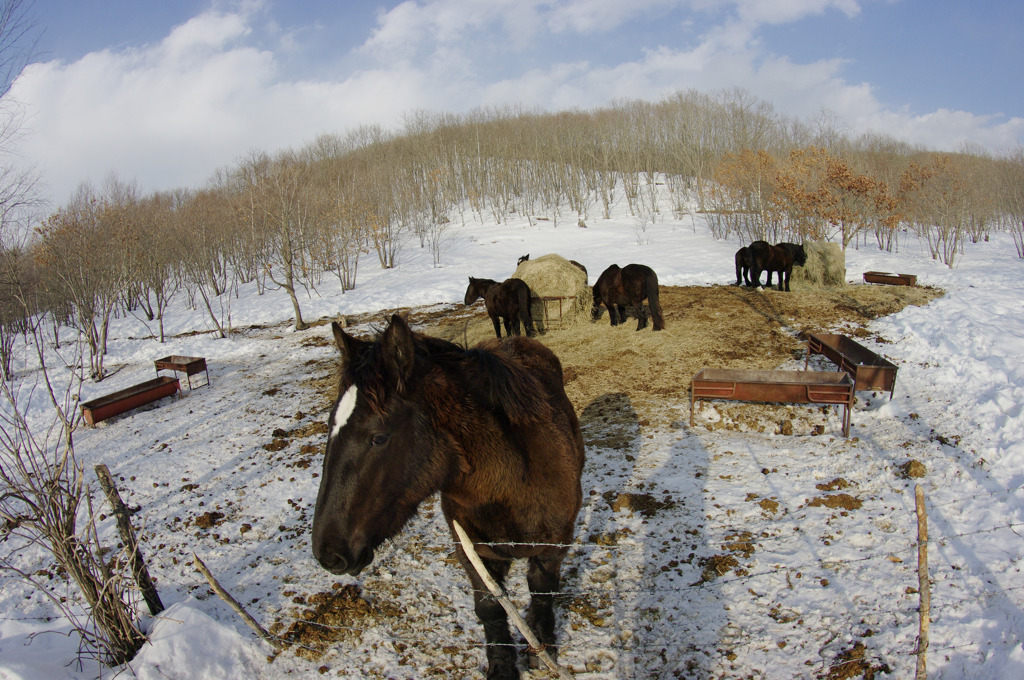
column 825, row 267
column 563, row 296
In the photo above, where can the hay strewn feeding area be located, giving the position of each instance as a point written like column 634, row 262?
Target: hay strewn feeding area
column 719, row 326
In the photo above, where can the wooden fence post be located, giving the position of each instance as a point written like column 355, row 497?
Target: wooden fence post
column 124, row 527
column 924, row 585
column 510, row 608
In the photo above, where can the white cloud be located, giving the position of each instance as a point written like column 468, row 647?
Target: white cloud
column 169, row 114
column 947, row 130
column 210, row 30
column 786, row 11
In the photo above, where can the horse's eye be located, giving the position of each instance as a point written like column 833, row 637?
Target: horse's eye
column 379, row 439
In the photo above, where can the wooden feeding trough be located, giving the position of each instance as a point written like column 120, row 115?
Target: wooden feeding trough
column 868, row 370
column 190, row 366
column 563, row 300
column 798, row 387
column 891, row 279
column 116, row 403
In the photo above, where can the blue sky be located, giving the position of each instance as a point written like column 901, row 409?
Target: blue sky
column 164, row 93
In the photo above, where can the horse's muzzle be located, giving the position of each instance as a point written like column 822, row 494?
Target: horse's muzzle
column 339, row 564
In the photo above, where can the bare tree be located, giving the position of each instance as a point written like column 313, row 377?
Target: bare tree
column 1011, row 196
column 281, row 209
column 205, row 252
column 933, row 196
column 87, row 249
column 44, row 501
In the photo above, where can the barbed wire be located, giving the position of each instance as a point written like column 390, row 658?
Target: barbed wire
column 962, row 499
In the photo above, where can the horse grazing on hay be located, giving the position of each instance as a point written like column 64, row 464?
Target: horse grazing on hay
column 508, row 302
column 778, row 258
column 622, row 287
column 490, row 428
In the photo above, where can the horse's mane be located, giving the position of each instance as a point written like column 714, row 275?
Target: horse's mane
column 495, row 379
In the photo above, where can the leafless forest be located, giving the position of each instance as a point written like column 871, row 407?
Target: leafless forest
column 305, row 218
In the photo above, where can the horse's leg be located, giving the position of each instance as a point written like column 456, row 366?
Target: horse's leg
column 497, row 325
column 542, row 575
column 528, row 322
column 641, row 316
column 613, row 314
column 512, row 322
column 788, row 271
column 501, row 654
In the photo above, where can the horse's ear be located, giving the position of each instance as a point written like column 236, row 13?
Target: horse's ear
column 398, row 351
column 347, row 345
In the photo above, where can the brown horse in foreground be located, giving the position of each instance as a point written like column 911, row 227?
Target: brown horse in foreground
column 622, row 287
column 508, row 302
column 490, row 428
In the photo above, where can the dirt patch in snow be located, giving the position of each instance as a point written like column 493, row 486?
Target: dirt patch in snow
column 706, row 326
column 329, row 617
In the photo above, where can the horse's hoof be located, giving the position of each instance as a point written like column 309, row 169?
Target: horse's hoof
column 503, row 672
column 537, row 664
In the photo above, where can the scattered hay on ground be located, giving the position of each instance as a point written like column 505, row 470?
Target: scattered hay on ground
column 716, row 326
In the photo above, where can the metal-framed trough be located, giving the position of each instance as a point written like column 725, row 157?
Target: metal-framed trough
column 798, row 387
column 868, row 370
column 116, row 403
column 891, row 279
column 190, row 366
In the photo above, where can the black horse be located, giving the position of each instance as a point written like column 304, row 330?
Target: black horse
column 619, row 288
column 490, row 428
column 779, row 258
column 508, row 302
column 743, row 267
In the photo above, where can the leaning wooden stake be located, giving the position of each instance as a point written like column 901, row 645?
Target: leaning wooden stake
column 124, row 527
column 924, row 586
column 510, row 608
column 233, row 603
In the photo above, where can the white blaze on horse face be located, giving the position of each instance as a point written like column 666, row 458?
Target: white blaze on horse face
column 343, row 412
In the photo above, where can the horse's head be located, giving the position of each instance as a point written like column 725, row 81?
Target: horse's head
column 799, row 255
column 374, row 474
column 595, row 311
column 474, row 291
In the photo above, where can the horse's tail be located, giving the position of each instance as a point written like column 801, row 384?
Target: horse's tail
column 652, row 298
column 525, row 313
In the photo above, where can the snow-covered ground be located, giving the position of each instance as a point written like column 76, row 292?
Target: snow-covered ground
column 810, row 582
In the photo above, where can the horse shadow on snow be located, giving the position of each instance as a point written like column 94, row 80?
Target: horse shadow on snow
column 642, row 549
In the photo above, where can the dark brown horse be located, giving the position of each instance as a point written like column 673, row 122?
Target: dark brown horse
column 743, row 267
column 619, row 288
column 490, row 428
column 508, row 302
column 779, row 258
